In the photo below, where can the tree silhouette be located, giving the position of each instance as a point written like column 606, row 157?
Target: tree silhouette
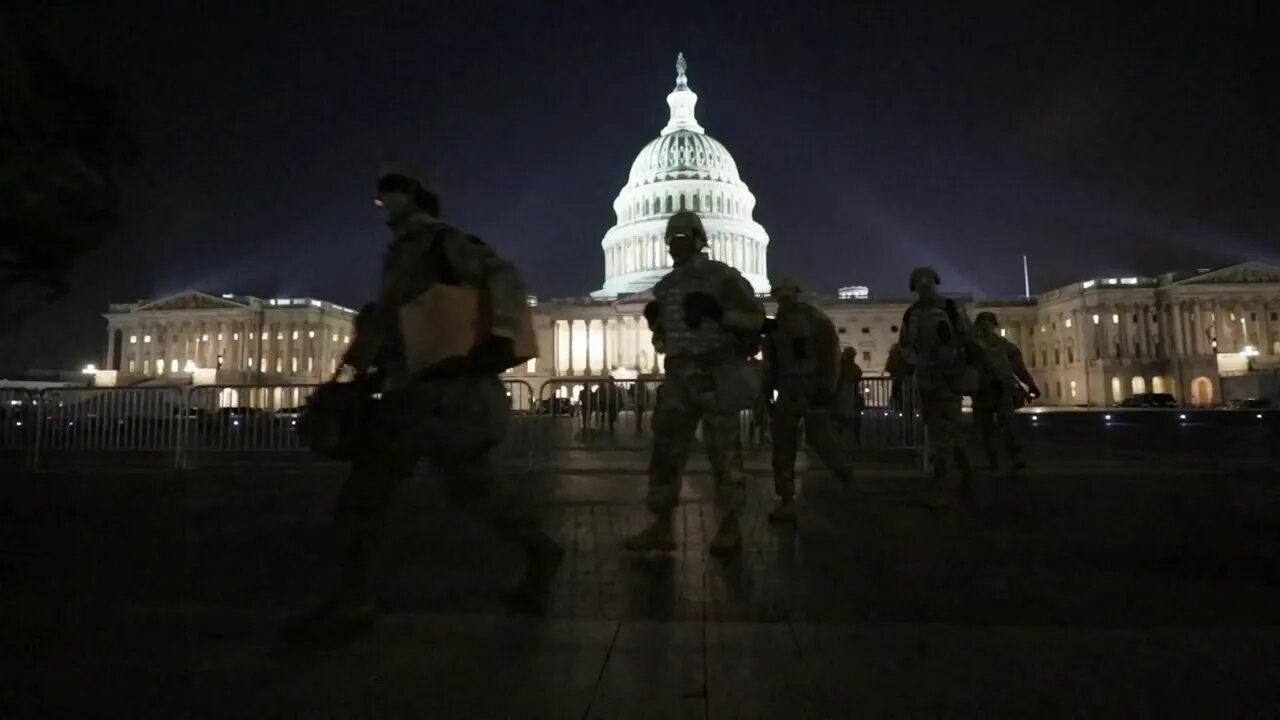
column 61, row 146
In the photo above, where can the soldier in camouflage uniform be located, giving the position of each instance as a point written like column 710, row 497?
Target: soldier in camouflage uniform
column 704, row 317
column 999, row 392
column 935, row 340
column 454, row 420
column 802, row 363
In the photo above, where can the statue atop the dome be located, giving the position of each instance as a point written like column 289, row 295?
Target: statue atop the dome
column 682, row 82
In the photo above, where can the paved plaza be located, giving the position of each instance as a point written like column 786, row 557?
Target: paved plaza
column 1114, row 584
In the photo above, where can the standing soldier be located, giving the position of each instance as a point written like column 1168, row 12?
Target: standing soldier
column 802, row 363
column 937, row 344
column 706, row 320
column 999, row 392
column 849, row 400
column 454, row 418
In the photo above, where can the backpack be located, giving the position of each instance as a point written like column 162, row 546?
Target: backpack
column 458, row 323
column 965, row 358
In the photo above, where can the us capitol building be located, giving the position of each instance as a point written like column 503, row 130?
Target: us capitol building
column 1204, row 335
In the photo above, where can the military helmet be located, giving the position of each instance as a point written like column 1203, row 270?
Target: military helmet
column 986, row 317
column 392, row 177
column 686, row 222
column 924, row 272
column 785, row 285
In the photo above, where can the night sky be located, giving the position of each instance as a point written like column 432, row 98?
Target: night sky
column 874, row 138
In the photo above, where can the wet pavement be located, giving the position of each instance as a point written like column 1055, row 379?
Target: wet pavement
column 1105, row 584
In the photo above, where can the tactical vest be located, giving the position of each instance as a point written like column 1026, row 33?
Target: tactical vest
column 699, row 274
column 932, row 338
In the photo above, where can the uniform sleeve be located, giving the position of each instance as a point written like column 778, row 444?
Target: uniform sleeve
column 770, row 368
column 742, row 311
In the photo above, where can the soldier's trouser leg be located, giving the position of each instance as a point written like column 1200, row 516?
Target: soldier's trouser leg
column 818, row 428
column 675, row 421
column 1006, row 419
column 984, row 413
column 468, row 481
column 724, row 450
column 786, row 437
column 361, row 511
column 941, row 410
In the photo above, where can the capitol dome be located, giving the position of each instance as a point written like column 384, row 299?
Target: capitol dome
column 682, row 169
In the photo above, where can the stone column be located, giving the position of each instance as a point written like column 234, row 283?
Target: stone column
column 1220, row 320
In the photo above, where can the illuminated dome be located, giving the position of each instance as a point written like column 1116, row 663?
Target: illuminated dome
column 682, row 169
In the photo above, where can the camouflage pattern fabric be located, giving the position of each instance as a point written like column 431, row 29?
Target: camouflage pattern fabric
column 686, row 398
column 790, row 408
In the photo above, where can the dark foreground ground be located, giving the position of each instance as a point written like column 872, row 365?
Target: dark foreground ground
column 1099, row 584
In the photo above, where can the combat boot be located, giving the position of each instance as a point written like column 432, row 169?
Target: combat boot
column 543, row 559
column 728, row 538
column 784, row 511
column 658, row 537
column 343, row 616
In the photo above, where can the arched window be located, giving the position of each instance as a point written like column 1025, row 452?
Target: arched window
column 646, row 206
column 682, row 199
column 720, row 203
column 669, row 204
column 697, row 203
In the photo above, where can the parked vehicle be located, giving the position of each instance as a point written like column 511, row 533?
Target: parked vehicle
column 1150, row 400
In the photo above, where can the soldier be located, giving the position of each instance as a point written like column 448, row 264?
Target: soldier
column 455, row 419
column 849, row 400
column 802, row 362
column 936, row 342
column 706, row 320
column 999, row 392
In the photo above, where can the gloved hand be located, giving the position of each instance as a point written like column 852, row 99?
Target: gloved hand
column 699, row 305
column 768, row 326
column 653, row 313
column 1033, row 392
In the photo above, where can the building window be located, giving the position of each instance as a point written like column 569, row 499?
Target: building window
column 1071, row 355
column 295, row 334
column 160, row 366
column 1070, row 322
column 1044, row 358
column 131, row 365
column 173, row 365
column 133, row 339
column 250, row 364
column 146, row 338
column 866, row 356
column 1275, row 316
column 219, row 337
column 1003, row 332
column 335, row 337
column 1137, row 350
column 531, row 366
column 893, row 328
column 840, row 331
column 1135, row 317
column 250, row 336
column 1253, row 317
column 1073, row 389
column 866, row 331
column 1095, row 319
column 204, row 338
column 293, row 364
column 1041, row 329
column 280, row 336
column 311, row 333
column 1117, row 350
column 1057, row 357
column 1115, row 318
column 1057, row 389
column 310, row 365
column 263, row 365
column 235, row 336
column 346, row 339
column 279, row 364
column 333, row 365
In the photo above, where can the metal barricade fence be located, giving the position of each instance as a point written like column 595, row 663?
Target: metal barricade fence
column 141, row 423
column 596, row 413
column 181, row 426
column 17, row 427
